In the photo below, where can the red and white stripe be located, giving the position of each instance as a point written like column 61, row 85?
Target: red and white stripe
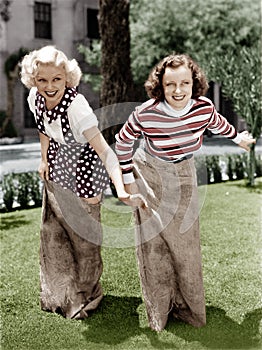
column 169, row 137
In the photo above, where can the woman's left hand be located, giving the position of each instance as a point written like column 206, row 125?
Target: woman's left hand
column 246, row 140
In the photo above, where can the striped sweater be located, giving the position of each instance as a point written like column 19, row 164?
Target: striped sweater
column 166, row 136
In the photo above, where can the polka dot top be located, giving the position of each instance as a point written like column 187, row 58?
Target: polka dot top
column 79, row 112
column 72, row 164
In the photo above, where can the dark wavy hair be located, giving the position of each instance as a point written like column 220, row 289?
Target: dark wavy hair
column 154, row 86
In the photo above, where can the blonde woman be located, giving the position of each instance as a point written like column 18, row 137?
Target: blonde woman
column 75, row 164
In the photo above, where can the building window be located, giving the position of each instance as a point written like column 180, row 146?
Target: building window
column 42, row 16
column 92, row 24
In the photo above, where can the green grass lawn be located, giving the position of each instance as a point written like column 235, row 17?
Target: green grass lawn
column 231, row 248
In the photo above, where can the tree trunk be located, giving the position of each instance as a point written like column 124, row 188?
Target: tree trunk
column 117, row 81
column 252, row 166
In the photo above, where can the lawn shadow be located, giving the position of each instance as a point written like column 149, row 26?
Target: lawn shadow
column 117, row 320
column 13, row 221
column 221, row 332
column 257, row 188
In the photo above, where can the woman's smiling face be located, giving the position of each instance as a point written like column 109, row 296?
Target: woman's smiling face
column 177, row 85
column 51, row 83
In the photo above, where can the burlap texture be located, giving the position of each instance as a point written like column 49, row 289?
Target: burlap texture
column 168, row 242
column 70, row 259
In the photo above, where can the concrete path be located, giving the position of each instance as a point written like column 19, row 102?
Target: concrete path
column 26, row 156
column 19, row 158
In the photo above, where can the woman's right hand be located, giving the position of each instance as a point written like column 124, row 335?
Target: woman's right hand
column 135, row 199
column 43, row 170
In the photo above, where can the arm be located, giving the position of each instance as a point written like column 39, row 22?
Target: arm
column 219, row 125
column 43, row 168
column 110, row 161
column 125, row 139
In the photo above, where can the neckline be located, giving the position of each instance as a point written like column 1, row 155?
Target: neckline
column 167, row 108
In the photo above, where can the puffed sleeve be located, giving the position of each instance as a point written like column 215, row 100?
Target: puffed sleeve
column 31, row 99
column 81, row 117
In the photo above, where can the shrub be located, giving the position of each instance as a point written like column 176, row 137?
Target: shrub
column 230, row 168
column 23, row 188
column 8, row 191
column 201, row 170
column 216, row 169
column 259, row 166
column 239, row 168
column 209, row 167
column 35, row 186
column 235, row 166
column 23, row 196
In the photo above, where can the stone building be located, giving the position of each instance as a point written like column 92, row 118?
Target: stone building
column 33, row 24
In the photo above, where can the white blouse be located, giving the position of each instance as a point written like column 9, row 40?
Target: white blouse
column 80, row 116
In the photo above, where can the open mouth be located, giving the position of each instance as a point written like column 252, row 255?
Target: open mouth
column 178, row 98
column 51, row 93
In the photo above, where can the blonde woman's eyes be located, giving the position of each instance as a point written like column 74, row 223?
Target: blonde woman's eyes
column 42, row 80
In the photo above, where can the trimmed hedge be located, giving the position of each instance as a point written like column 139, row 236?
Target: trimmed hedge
column 215, row 169
column 25, row 189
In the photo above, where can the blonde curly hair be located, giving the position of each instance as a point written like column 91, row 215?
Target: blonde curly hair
column 49, row 55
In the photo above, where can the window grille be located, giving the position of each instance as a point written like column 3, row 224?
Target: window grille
column 42, row 17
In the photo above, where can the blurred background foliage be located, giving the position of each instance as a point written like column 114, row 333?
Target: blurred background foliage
column 200, row 28
column 223, row 36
